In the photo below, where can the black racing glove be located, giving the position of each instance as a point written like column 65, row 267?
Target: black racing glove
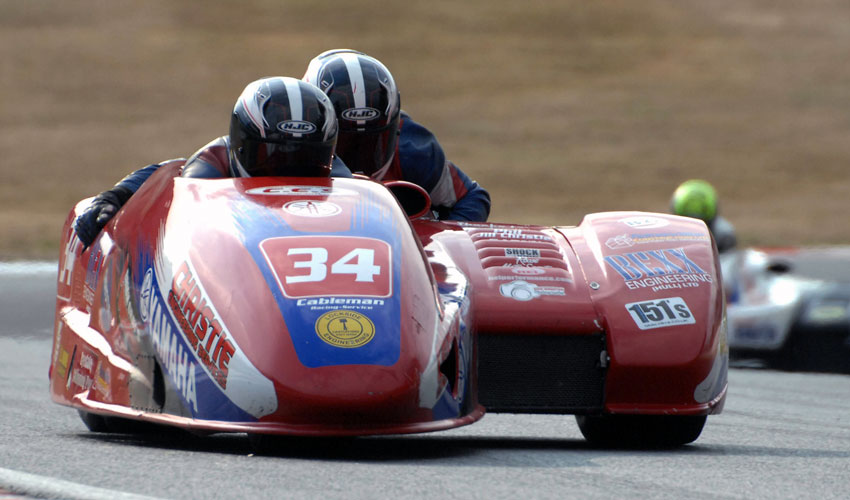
column 103, row 208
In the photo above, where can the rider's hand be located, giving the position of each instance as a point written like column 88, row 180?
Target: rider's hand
column 104, row 206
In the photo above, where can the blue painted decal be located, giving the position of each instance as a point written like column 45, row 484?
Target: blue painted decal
column 654, row 263
column 319, row 339
column 199, row 393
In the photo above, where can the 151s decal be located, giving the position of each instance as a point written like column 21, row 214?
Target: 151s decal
column 659, row 313
column 310, row 266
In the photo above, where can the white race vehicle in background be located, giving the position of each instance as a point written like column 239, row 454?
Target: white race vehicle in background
column 789, row 307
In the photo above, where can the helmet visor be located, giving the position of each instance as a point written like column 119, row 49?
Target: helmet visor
column 367, row 151
column 292, row 159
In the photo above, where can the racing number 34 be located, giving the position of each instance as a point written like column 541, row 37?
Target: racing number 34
column 346, row 265
column 359, row 262
column 659, row 313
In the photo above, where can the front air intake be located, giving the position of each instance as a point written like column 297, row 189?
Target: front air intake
column 542, row 373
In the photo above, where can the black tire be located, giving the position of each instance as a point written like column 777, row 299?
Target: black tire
column 120, row 425
column 93, row 421
column 116, row 425
column 646, row 431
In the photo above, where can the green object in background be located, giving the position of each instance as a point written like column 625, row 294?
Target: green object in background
column 695, row 198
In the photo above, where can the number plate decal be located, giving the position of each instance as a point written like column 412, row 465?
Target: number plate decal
column 326, row 266
column 659, row 313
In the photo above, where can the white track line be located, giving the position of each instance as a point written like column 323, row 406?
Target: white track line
column 27, row 267
column 48, row 487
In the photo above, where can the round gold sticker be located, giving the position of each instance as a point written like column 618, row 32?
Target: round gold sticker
column 344, row 328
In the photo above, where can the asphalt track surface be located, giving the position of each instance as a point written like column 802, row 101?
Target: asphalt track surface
column 782, row 435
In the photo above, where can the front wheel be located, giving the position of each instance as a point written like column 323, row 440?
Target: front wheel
column 655, row 431
column 93, row 421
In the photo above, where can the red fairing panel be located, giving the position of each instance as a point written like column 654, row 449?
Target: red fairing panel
column 200, row 306
column 655, row 281
column 649, row 281
column 523, row 277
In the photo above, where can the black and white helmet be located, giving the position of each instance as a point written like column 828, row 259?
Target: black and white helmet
column 367, row 104
column 282, row 126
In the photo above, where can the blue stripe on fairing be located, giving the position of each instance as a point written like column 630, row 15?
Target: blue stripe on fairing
column 447, row 406
column 369, row 219
column 170, row 347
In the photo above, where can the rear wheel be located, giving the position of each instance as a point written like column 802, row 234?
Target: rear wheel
column 117, row 425
column 656, row 431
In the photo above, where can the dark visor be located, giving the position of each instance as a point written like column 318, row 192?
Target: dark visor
column 287, row 160
column 366, row 151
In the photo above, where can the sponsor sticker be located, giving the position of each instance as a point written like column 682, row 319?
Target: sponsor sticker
column 524, row 291
column 658, row 270
column 523, row 253
column 344, row 328
column 95, row 265
column 102, row 383
column 83, row 373
column 525, row 261
column 515, row 235
column 199, row 323
column 645, row 222
column 484, row 225
column 300, row 191
column 620, row 241
column 650, row 314
column 63, row 362
column 629, row 240
column 66, row 265
column 329, row 303
column 527, row 271
column 309, row 208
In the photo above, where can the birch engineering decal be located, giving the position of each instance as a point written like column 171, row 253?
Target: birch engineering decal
column 658, row 269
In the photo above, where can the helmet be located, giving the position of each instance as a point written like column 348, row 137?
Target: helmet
column 368, row 107
column 695, row 198
column 282, row 127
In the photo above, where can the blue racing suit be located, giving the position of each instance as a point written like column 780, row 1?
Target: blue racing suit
column 420, row 159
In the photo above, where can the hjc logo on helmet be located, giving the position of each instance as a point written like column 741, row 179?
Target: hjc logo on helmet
column 361, row 114
column 296, row 127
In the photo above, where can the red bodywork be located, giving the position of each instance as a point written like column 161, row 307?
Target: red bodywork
column 678, row 369
column 316, row 307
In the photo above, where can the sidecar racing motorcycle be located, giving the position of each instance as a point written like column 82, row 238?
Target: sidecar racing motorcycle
column 341, row 307
column 789, row 307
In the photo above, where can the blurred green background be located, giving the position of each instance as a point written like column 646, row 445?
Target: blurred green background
column 558, row 108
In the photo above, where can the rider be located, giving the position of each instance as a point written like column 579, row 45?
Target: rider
column 280, row 126
column 697, row 198
column 378, row 139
